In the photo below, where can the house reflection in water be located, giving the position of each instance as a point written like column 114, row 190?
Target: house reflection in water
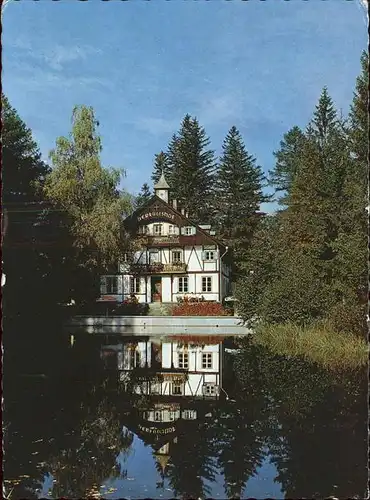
column 178, row 366
column 174, row 386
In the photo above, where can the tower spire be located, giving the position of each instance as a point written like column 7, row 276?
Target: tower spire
column 161, row 188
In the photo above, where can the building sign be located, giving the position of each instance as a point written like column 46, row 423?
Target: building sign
column 156, row 215
column 154, row 430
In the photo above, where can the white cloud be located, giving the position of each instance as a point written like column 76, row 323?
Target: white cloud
column 56, row 57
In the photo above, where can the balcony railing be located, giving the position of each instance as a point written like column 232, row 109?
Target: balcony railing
column 150, row 239
column 158, row 268
column 175, row 267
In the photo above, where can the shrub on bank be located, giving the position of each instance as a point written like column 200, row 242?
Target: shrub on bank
column 318, row 342
column 199, row 309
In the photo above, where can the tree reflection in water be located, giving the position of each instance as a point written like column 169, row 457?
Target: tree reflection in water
column 81, row 428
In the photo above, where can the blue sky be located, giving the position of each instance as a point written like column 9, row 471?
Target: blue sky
column 142, row 65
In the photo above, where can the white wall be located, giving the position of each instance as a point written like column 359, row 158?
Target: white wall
column 166, row 289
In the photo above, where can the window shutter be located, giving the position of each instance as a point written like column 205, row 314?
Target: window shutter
column 216, row 254
column 182, row 230
column 103, row 285
column 203, row 255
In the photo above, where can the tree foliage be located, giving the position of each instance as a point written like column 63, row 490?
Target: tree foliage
column 311, row 262
column 191, row 169
column 287, row 161
column 21, row 158
column 160, row 165
column 238, row 194
column 143, row 196
column 87, row 192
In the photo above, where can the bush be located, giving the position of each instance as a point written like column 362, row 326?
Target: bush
column 349, row 318
column 199, row 309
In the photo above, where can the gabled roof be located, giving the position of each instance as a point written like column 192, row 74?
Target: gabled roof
column 169, row 208
column 162, row 183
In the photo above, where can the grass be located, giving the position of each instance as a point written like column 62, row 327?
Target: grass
column 319, row 343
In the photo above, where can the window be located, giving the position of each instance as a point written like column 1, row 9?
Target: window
column 171, row 229
column 207, row 360
column 209, row 255
column 183, row 360
column 157, row 416
column 189, row 414
column 177, row 389
column 153, row 256
column 112, row 285
column 155, row 388
column 188, row 230
column 209, row 390
column 134, row 359
column 183, row 284
column 207, row 284
column 134, row 285
column 176, row 257
column 157, row 229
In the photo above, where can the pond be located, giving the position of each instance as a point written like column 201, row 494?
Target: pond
column 178, row 417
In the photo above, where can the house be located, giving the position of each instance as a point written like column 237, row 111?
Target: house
column 173, row 257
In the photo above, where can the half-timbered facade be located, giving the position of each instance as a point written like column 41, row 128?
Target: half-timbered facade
column 174, row 257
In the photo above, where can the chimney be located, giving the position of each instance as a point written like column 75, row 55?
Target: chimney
column 183, row 211
column 174, row 204
column 187, row 214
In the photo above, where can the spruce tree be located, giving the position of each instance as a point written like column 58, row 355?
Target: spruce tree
column 351, row 242
column 238, row 194
column 287, row 161
column 359, row 115
column 21, row 158
column 143, row 196
column 160, row 165
column 35, row 244
column 192, row 167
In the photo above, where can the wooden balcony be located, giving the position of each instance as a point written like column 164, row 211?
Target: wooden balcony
column 175, row 267
column 158, row 268
column 151, row 240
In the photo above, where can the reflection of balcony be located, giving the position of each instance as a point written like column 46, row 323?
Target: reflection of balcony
column 149, row 239
column 158, row 268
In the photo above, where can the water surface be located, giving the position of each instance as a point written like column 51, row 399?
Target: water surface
column 170, row 417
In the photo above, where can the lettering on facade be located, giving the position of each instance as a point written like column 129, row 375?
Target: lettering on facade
column 155, row 215
column 154, row 430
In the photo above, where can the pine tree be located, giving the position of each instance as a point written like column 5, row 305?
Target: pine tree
column 238, row 194
column 359, row 115
column 32, row 246
column 143, row 196
column 287, row 161
column 192, row 167
column 303, row 282
column 160, row 165
column 21, row 158
column 351, row 242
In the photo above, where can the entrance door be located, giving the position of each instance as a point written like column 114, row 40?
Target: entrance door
column 156, row 289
